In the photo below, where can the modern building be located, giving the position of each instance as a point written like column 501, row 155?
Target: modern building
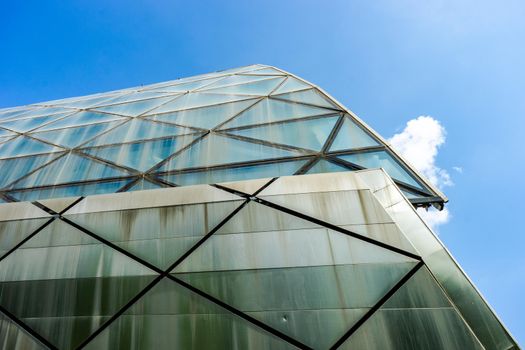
column 242, row 209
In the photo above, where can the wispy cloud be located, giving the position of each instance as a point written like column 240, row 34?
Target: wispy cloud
column 419, row 143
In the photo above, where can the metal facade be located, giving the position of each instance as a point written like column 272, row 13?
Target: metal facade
column 323, row 261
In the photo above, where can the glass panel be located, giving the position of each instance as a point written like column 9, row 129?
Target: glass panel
column 409, row 194
column 134, row 96
column 64, row 284
column 143, row 184
column 69, row 168
column 235, row 80
column 417, row 316
column 23, row 125
column 324, row 166
column 187, row 86
column 157, row 235
column 368, row 216
column 80, row 118
column 83, row 189
column 291, row 84
column 144, row 155
column 23, row 146
column 381, row 159
column 73, row 137
column 13, row 337
column 172, row 317
column 10, row 113
column 214, row 150
column 133, row 109
column 4, row 132
column 263, row 71
column 205, row 118
column 5, row 138
column 311, row 96
column 19, row 167
column 90, row 102
column 137, row 129
column 244, row 69
column 262, row 87
column 351, row 136
column 42, row 111
column 309, row 134
column 236, row 174
column 269, row 110
column 13, row 232
column 300, row 278
column 196, row 99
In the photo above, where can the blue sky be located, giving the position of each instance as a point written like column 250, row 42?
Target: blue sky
column 461, row 62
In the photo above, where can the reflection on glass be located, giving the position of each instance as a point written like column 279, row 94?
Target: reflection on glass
column 352, row 136
column 311, row 96
column 270, row 110
column 69, row 168
column 79, row 189
column 214, row 149
column 309, row 134
column 381, row 159
column 260, row 171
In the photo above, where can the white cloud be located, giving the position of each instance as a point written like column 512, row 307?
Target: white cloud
column 434, row 218
column 458, row 169
column 419, row 143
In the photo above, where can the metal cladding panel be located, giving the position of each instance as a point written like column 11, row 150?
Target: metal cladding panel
column 324, row 261
column 245, row 123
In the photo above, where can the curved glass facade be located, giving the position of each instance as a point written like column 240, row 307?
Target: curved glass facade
column 245, row 123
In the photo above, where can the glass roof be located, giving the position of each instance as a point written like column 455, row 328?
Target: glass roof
column 229, row 122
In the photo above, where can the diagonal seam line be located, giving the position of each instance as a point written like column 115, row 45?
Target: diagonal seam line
column 175, row 154
column 121, row 311
column 265, row 186
column 112, row 245
column 166, row 273
column 26, row 328
column 205, row 238
column 71, row 205
column 333, row 134
column 260, row 141
column 240, row 313
column 161, row 273
column 276, row 97
column 44, row 225
column 219, row 126
column 337, row 228
column 44, row 208
column 378, row 305
column 232, row 191
column 243, row 194
column 454, row 306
